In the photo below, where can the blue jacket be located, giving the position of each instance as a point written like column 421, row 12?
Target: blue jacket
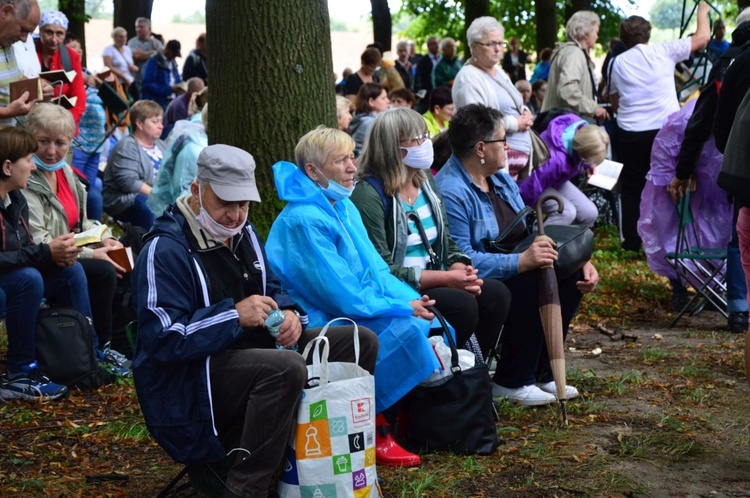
column 472, row 219
column 155, row 83
column 323, row 255
column 178, row 331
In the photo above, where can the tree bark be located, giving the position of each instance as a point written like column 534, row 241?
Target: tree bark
column 546, row 24
column 271, row 82
column 75, row 10
column 472, row 10
column 381, row 23
column 127, row 11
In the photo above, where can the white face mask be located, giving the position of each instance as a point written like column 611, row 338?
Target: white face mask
column 214, row 228
column 421, row 156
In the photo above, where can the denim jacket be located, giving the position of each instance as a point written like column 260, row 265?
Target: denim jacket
column 472, row 219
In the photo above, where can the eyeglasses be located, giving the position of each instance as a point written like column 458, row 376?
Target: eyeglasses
column 419, row 138
column 494, row 44
column 503, row 140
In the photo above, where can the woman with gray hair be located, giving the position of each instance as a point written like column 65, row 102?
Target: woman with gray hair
column 571, row 74
column 396, row 198
column 482, row 81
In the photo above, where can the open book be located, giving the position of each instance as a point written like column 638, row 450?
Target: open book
column 90, row 236
column 58, row 75
column 606, row 175
column 123, row 257
column 31, row 85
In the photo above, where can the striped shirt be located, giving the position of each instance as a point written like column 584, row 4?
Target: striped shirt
column 416, row 253
column 9, row 73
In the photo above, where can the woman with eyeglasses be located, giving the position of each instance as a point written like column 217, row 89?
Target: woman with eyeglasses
column 482, row 81
column 481, row 200
column 398, row 201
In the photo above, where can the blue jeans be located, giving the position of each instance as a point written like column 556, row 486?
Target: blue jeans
column 88, row 164
column 24, row 289
column 138, row 214
column 736, row 284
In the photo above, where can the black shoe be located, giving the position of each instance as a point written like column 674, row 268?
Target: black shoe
column 737, row 322
column 680, row 297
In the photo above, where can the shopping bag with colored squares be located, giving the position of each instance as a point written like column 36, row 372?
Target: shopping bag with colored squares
column 332, row 454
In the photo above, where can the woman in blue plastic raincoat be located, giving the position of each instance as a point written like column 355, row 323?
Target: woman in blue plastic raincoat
column 319, row 248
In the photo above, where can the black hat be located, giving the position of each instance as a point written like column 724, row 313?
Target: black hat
column 174, row 47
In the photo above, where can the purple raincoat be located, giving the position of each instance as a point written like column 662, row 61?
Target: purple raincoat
column 658, row 222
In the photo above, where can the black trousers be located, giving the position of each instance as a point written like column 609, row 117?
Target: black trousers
column 260, row 389
column 523, row 351
column 483, row 315
column 102, row 283
column 634, row 152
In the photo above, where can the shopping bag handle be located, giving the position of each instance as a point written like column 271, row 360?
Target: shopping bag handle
column 356, row 334
column 455, row 367
column 319, row 361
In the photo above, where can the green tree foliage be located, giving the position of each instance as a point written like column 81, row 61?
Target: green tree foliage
column 666, row 14
column 446, row 18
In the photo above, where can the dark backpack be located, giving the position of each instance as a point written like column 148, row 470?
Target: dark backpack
column 65, row 349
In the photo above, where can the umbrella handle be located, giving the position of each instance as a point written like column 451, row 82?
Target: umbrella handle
column 542, row 200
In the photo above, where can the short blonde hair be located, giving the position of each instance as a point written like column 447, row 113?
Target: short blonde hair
column 50, row 118
column 317, row 146
column 145, row 109
column 591, row 142
column 342, row 104
column 119, row 30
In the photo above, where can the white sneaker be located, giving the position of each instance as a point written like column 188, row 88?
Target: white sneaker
column 527, row 395
column 549, row 387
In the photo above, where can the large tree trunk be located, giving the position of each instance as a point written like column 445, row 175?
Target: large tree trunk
column 75, row 10
column 127, row 11
column 546, row 24
column 472, row 10
column 381, row 23
column 271, row 82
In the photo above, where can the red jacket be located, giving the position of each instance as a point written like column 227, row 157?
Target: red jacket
column 75, row 89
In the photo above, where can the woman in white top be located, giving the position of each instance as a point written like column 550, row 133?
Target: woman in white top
column 119, row 58
column 482, row 81
column 642, row 92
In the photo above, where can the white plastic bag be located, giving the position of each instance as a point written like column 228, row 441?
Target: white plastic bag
column 466, row 359
column 333, row 450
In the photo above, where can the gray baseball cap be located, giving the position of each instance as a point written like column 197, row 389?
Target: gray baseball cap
column 230, row 171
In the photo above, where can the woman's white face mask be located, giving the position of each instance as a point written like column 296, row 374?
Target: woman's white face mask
column 420, row 156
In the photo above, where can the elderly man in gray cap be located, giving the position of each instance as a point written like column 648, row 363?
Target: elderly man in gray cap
column 205, row 365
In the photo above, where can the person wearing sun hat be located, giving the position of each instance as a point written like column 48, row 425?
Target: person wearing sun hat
column 205, row 365
column 54, row 55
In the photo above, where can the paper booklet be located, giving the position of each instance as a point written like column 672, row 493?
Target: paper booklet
column 58, row 75
column 606, row 175
column 31, row 85
column 90, row 236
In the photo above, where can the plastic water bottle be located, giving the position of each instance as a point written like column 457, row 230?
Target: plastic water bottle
column 273, row 324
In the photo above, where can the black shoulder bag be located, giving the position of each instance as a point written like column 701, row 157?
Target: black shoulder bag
column 457, row 415
column 435, row 262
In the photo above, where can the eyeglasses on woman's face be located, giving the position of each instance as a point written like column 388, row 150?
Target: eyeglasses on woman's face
column 492, row 44
column 419, row 138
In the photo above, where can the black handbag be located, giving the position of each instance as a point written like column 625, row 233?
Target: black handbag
column 457, row 415
column 574, row 244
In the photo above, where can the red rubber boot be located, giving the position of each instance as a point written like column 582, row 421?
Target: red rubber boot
column 387, row 451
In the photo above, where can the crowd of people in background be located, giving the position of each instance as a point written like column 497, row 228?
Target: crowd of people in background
column 388, row 216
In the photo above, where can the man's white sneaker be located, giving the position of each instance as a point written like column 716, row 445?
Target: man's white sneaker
column 549, row 387
column 527, row 395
